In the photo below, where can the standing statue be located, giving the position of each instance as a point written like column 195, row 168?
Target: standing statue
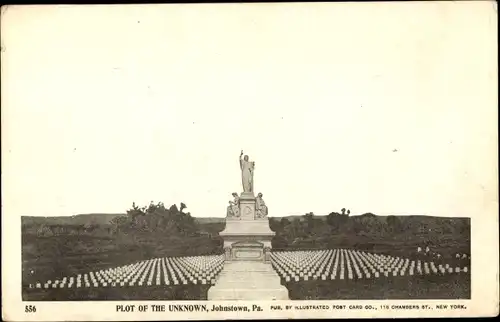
column 260, row 207
column 233, row 210
column 247, row 169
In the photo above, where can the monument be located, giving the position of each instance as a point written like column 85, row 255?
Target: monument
column 247, row 273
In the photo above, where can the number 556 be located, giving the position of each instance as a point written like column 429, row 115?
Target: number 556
column 30, row 309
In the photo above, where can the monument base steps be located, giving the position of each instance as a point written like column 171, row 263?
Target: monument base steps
column 248, row 280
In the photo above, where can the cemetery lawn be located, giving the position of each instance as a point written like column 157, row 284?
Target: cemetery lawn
column 49, row 258
column 58, row 256
column 67, row 251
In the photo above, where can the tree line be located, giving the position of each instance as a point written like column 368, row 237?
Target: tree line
column 342, row 229
column 152, row 218
column 156, row 218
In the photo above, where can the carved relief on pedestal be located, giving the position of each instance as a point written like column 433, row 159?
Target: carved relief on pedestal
column 248, row 254
column 247, row 250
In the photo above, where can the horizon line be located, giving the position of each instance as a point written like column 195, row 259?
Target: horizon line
column 290, row 215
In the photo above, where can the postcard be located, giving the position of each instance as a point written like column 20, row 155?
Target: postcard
column 249, row 161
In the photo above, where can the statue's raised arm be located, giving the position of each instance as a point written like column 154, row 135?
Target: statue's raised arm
column 241, row 160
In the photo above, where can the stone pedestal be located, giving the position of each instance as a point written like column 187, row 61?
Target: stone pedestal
column 247, row 237
column 247, row 206
column 247, row 272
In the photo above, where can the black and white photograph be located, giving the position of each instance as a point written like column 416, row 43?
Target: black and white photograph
column 210, row 157
column 165, row 252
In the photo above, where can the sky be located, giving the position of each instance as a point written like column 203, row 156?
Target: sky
column 382, row 108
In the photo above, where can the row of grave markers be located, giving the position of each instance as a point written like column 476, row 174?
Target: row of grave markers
column 156, row 271
column 351, row 264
